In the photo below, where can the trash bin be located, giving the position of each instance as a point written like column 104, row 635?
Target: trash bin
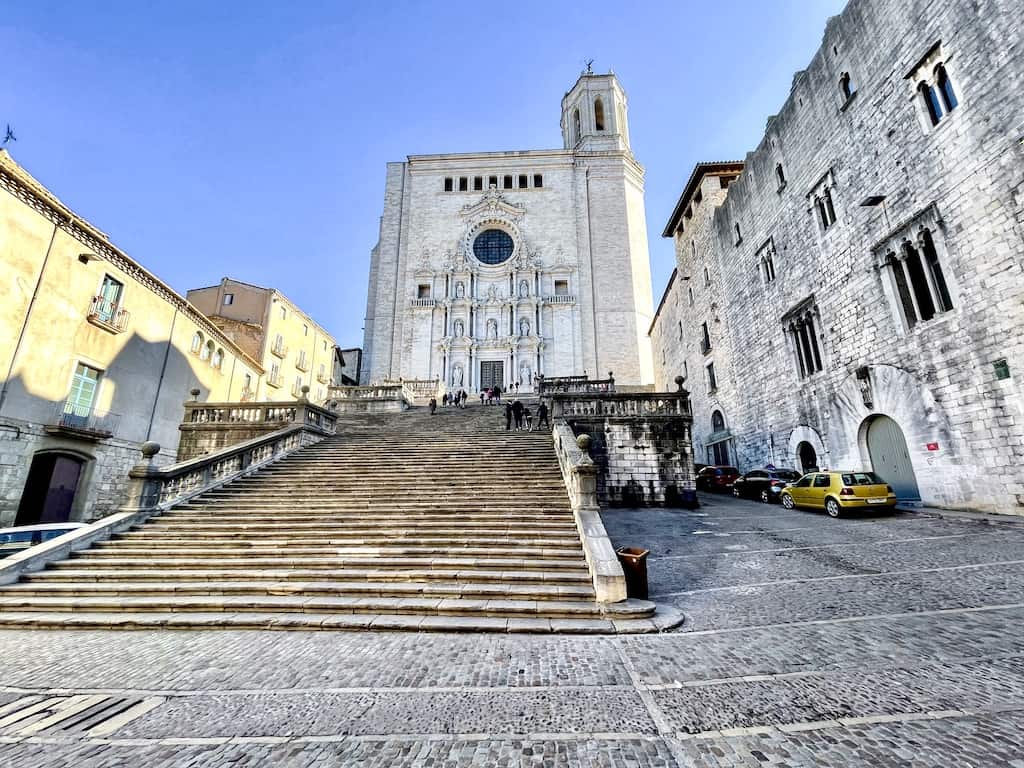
column 634, row 566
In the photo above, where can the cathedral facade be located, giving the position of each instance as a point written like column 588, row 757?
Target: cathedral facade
column 493, row 268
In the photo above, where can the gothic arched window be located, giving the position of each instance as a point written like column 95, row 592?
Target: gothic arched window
column 598, row 114
column 931, row 102
column 576, row 126
column 945, row 88
column 717, row 421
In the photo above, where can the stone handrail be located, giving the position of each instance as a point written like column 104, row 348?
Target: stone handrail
column 298, row 412
column 154, row 489
column 576, row 385
column 371, row 392
column 158, row 488
column 636, row 404
column 580, row 476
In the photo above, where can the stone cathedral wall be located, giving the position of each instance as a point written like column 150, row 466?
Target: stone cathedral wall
column 952, row 383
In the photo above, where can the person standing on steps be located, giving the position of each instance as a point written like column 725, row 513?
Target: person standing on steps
column 433, row 405
column 508, row 416
column 482, row 395
column 463, row 397
column 497, row 393
column 529, row 419
column 517, row 412
column 542, row 416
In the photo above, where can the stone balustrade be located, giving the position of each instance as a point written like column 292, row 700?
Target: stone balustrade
column 632, row 404
column 575, row 385
column 373, row 398
column 580, row 475
column 209, row 427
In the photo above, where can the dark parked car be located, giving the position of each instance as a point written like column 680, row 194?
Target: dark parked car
column 718, row 478
column 764, row 484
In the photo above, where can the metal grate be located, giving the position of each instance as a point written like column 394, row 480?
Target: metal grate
column 80, row 714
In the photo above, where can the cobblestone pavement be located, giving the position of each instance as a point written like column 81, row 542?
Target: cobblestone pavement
column 873, row 641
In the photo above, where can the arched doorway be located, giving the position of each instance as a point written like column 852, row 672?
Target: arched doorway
column 50, row 489
column 808, row 457
column 890, row 457
column 718, row 450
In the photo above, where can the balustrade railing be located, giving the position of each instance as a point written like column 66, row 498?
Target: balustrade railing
column 422, row 302
column 260, row 413
column 568, row 405
column 159, row 488
column 560, row 298
column 370, row 392
column 576, row 384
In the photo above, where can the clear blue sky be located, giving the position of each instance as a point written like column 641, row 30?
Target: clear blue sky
column 249, row 138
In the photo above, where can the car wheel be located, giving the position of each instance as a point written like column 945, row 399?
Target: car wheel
column 735, row 491
column 787, row 501
column 833, row 508
column 765, row 498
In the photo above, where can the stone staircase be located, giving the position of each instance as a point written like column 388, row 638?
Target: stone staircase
column 402, row 521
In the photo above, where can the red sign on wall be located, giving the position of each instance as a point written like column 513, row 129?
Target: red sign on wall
column 932, row 446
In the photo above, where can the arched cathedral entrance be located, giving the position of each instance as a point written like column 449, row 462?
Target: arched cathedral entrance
column 890, row 457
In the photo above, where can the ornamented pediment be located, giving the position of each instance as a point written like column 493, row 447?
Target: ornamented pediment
column 493, row 204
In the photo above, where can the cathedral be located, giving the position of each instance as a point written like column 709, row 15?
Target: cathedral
column 494, row 268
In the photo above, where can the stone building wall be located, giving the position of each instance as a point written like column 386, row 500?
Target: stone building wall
column 641, row 461
column 950, row 383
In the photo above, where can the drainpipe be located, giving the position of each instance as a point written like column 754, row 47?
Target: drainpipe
column 28, row 314
column 163, row 371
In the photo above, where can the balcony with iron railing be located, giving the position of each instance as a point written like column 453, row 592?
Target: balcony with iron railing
column 275, row 379
column 280, row 349
column 323, row 377
column 297, row 391
column 72, row 420
column 302, row 362
column 248, row 395
column 107, row 314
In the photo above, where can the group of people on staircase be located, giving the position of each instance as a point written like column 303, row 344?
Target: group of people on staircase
column 523, row 417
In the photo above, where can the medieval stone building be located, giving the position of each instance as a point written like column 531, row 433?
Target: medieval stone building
column 495, row 267
column 855, row 298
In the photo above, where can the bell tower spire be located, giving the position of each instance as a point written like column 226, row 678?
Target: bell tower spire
column 594, row 114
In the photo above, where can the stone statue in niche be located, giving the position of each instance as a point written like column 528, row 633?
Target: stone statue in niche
column 492, row 293
column 457, row 376
column 460, row 290
column 524, row 327
column 492, row 327
column 525, row 372
column 460, row 328
column 524, row 289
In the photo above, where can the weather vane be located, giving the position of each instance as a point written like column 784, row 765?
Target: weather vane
column 9, row 136
column 590, row 66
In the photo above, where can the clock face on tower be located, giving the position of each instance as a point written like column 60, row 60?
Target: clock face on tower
column 493, row 246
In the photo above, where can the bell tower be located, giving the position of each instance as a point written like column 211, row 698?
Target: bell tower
column 594, row 114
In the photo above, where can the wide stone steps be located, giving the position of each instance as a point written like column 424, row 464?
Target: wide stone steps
column 290, row 550
column 80, row 560
column 439, row 606
column 350, row 588
column 401, row 521
column 139, row 539
column 69, row 573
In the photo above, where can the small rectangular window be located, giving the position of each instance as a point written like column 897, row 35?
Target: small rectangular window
column 284, row 313
column 229, row 298
column 492, row 181
column 712, row 381
column 561, row 287
column 507, row 182
column 305, row 330
column 524, row 181
column 448, row 184
column 538, row 181
column 463, row 184
column 423, row 291
column 478, row 183
column 705, row 339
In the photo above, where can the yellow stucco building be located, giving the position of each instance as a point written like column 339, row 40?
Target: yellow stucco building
column 292, row 348
column 97, row 356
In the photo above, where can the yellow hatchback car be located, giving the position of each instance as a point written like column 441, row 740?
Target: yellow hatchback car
column 836, row 492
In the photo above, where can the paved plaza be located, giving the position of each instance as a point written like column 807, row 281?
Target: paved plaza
column 891, row 640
